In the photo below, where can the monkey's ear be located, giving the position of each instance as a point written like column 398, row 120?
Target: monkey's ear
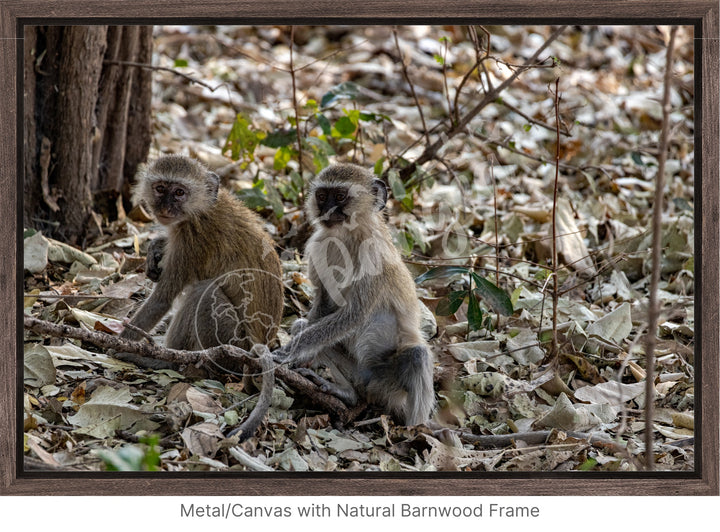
column 379, row 190
column 213, row 184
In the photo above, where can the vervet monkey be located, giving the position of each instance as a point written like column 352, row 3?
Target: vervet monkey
column 216, row 252
column 364, row 322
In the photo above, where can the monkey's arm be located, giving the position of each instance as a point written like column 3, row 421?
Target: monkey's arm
column 155, row 253
column 322, row 333
column 156, row 306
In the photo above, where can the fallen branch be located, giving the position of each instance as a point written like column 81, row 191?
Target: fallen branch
column 227, row 357
column 532, row 438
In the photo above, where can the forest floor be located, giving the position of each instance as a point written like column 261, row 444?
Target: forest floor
column 508, row 398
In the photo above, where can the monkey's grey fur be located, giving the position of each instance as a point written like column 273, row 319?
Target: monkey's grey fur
column 364, row 323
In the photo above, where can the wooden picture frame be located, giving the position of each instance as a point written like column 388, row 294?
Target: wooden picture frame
column 702, row 14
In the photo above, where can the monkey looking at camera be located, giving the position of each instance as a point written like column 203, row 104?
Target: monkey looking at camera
column 364, row 323
column 216, row 252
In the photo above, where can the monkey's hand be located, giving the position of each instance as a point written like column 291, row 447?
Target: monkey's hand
column 284, row 355
column 298, row 326
column 155, row 253
column 347, row 396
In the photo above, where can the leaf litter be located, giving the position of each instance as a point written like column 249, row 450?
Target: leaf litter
column 487, row 205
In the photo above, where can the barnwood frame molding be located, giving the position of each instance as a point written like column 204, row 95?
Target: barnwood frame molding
column 702, row 14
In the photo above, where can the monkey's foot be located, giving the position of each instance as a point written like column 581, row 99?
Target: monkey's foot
column 346, row 396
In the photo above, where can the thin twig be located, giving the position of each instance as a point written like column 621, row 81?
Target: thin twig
column 532, row 120
column 653, row 306
column 163, row 69
column 556, row 283
column 431, row 150
column 295, row 108
column 478, row 60
column 426, row 133
column 451, row 113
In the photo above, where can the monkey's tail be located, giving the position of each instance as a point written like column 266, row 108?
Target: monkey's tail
column 419, row 374
column 248, row 427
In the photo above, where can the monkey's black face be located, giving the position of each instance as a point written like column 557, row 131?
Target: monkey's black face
column 168, row 201
column 331, row 204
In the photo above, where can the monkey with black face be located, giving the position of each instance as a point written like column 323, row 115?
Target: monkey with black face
column 364, row 323
column 216, row 252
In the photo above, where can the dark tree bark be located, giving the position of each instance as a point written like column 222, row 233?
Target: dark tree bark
column 87, row 122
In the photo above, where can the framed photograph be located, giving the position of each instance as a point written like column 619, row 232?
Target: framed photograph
column 549, row 181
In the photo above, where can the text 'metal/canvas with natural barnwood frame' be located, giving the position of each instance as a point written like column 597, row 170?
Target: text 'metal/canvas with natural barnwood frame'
column 701, row 16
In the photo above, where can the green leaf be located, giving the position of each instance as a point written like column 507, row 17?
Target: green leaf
column 637, row 158
column 495, row 297
column 254, row 198
column 368, row 116
column 449, row 305
column 282, row 158
column 378, row 167
column 324, row 123
column 132, row 457
column 474, row 314
column 439, row 59
column 399, row 192
column 297, row 180
column 280, row 138
column 242, row 139
column 403, row 240
column 178, row 63
column 441, row 272
column 397, row 187
column 321, row 151
column 588, row 465
column 275, row 201
column 542, row 274
column 345, row 91
column 516, row 295
column 345, row 126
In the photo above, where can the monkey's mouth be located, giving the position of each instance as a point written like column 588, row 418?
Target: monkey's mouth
column 333, row 218
column 164, row 219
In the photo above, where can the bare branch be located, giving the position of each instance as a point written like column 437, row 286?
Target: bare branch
column 653, row 306
column 228, row 357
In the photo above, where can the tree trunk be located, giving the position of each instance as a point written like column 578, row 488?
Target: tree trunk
column 87, row 122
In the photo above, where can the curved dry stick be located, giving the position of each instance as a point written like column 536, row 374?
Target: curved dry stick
column 227, row 357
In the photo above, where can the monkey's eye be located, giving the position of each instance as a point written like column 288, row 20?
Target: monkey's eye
column 159, row 189
column 340, row 197
column 321, row 196
column 179, row 193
